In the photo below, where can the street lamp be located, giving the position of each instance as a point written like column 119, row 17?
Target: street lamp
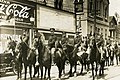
column 32, row 19
column 78, row 8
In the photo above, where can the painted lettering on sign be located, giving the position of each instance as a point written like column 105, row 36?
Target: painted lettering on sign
column 16, row 9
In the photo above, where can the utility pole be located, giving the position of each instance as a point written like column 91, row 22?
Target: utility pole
column 95, row 28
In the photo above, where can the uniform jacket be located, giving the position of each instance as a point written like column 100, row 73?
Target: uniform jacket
column 51, row 41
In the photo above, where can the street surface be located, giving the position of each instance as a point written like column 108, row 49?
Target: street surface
column 111, row 73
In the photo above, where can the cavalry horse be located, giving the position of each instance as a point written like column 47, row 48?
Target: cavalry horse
column 17, row 57
column 44, row 57
column 71, row 54
column 28, row 56
column 95, row 58
column 83, row 58
column 59, row 58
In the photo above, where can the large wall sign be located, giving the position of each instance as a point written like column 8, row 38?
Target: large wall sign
column 21, row 12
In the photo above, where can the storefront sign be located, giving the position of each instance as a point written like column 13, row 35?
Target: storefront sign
column 20, row 12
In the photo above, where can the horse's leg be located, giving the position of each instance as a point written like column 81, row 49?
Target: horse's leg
column 21, row 67
column 92, row 65
column 49, row 73
column 63, row 67
column 81, row 68
column 34, row 70
column 108, row 61
column 30, row 71
column 25, row 71
column 18, row 71
column 112, row 60
column 37, row 70
column 96, row 69
column 60, row 70
column 45, row 72
column 41, row 68
column 75, row 66
column 70, row 72
column 100, row 69
column 119, row 56
column 103, row 65
column 87, row 65
column 116, row 59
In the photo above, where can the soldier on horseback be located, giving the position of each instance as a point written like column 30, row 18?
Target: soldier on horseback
column 51, row 42
column 77, row 40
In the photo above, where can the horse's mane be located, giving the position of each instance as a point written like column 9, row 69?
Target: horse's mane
column 42, row 37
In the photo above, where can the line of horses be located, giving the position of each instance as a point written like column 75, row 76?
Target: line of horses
column 40, row 56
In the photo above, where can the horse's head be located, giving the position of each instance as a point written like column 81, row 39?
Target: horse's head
column 39, row 40
column 11, row 45
column 18, row 47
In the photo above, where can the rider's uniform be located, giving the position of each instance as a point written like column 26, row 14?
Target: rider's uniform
column 51, row 41
column 64, row 41
column 77, row 41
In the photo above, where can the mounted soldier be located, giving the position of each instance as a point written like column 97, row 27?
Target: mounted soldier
column 51, row 42
column 64, row 40
column 77, row 40
column 25, row 36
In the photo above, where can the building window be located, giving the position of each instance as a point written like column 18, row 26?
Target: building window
column 90, row 6
column 101, row 8
column 98, row 7
column 106, row 11
column 58, row 4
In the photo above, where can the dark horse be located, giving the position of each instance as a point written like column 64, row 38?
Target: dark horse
column 83, row 59
column 59, row 58
column 72, row 57
column 71, row 53
column 95, row 58
column 28, row 56
column 17, row 58
column 44, row 58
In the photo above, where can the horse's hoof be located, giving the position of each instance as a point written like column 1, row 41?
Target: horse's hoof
column 63, row 75
column 70, row 75
column 100, row 74
column 33, row 76
column 44, row 77
column 80, row 73
column 49, row 78
column 37, row 76
column 75, row 75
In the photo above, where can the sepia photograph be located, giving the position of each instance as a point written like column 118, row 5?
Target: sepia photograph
column 59, row 39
